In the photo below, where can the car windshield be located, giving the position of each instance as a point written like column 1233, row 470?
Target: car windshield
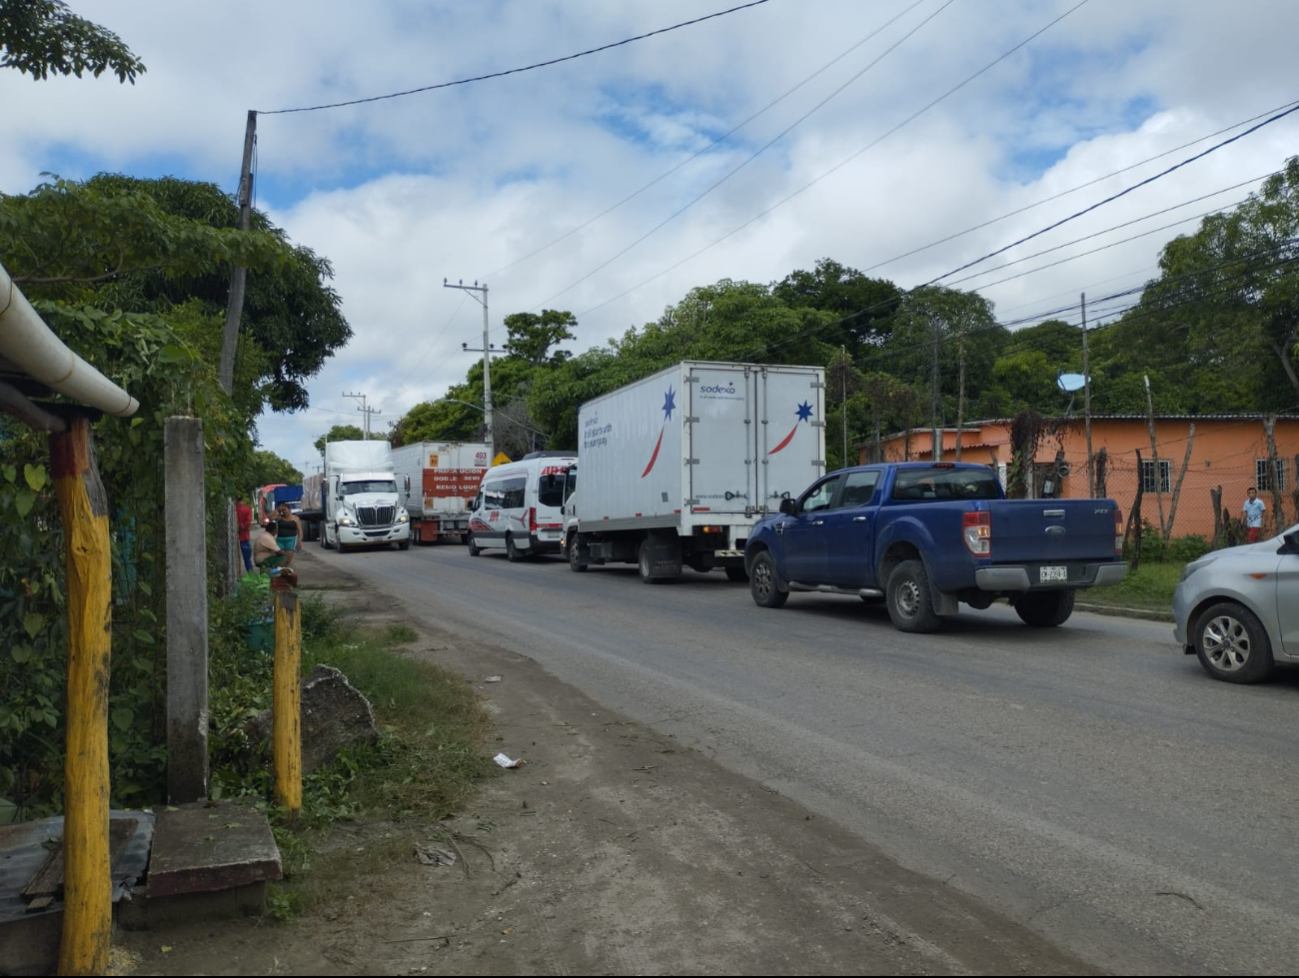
column 367, row 485
column 939, row 482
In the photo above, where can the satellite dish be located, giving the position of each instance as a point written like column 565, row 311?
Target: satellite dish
column 1071, row 382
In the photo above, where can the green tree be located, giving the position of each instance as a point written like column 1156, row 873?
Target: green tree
column 863, row 306
column 532, row 337
column 44, row 37
column 345, row 432
column 268, row 469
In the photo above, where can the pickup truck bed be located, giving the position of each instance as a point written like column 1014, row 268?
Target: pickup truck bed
column 927, row 537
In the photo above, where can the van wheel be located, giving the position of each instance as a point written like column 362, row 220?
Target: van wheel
column 1045, row 609
column 474, row 549
column 575, row 561
column 514, row 554
column 910, row 602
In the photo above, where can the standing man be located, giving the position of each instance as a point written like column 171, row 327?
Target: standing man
column 1253, row 510
column 244, row 517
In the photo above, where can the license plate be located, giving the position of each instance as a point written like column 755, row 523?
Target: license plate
column 1051, row 575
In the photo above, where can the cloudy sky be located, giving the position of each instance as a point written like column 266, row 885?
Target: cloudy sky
column 864, row 153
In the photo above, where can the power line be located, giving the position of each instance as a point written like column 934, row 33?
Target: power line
column 711, row 146
column 1072, row 190
column 779, row 136
column 515, row 71
column 1122, row 193
column 838, row 166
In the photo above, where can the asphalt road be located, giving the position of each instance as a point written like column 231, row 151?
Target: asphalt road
column 1090, row 780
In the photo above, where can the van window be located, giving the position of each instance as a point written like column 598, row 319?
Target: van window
column 550, row 490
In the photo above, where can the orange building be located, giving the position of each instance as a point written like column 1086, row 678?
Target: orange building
column 1195, row 455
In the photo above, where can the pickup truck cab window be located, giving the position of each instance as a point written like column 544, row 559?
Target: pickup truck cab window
column 821, row 495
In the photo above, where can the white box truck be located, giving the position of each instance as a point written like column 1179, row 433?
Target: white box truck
column 436, row 480
column 359, row 494
column 676, row 468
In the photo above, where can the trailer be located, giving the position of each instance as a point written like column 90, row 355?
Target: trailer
column 675, row 469
column 311, row 510
column 437, row 480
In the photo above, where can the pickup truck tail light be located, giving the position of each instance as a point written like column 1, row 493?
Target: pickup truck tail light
column 1118, row 531
column 978, row 533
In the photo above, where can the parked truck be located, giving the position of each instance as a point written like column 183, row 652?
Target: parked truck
column 675, row 469
column 925, row 537
column 436, row 480
column 354, row 501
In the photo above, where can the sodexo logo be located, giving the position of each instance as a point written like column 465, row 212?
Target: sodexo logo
column 718, row 389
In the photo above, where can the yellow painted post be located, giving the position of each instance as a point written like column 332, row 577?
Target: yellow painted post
column 83, row 505
column 286, row 705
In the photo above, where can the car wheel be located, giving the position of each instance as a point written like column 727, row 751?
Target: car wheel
column 1045, row 609
column 737, row 574
column 1232, row 644
column 910, row 602
column 514, row 554
column 575, row 561
column 473, row 548
column 764, row 582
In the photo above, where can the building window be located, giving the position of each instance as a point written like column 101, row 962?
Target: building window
column 1148, row 476
column 1262, row 476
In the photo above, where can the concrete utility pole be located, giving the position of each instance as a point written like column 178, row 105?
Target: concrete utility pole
column 1087, row 404
column 367, row 411
column 488, row 432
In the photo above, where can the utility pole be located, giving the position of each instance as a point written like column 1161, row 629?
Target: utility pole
column 367, row 411
column 472, row 290
column 239, row 274
column 1087, row 404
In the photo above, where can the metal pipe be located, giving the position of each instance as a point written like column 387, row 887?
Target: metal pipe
column 28, row 343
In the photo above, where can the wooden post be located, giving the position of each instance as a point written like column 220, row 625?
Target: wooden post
column 1133, row 531
column 1219, row 527
column 960, row 398
column 1087, row 406
column 1102, row 486
column 1154, row 454
column 186, row 520
column 83, row 507
column 1274, row 474
column 286, row 705
column 1177, row 489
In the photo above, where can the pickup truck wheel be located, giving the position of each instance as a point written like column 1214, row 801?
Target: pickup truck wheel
column 575, row 561
column 737, row 574
column 764, row 583
column 910, row 602
column 1232, row 644
column 474, row 549
column 513, row 553
column 1045, row 609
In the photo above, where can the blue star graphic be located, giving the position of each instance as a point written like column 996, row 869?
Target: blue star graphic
column 669, row 404
column 805, row 412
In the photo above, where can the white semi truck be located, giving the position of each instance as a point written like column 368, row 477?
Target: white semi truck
column 675, row 469
column 357, row 496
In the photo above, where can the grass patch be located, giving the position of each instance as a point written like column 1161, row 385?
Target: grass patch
column 429, row 757
column 1149, row 588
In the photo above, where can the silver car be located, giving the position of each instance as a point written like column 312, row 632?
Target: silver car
column 1238, row 609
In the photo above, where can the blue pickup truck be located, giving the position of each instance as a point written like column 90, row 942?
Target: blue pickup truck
column 926, row 537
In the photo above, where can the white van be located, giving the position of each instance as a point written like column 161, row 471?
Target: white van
column 519, row 507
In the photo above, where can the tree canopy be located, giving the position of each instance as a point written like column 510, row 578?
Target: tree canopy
column 44, row 37
column 345, row 432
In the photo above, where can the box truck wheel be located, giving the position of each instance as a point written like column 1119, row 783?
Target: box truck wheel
column 645, row 563
column 576, row 561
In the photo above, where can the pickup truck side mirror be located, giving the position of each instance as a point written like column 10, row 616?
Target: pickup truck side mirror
column 787, row 506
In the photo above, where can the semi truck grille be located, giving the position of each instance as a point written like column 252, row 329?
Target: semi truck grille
column 374, row 515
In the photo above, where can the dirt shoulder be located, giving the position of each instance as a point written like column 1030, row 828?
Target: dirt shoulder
column 612, row 851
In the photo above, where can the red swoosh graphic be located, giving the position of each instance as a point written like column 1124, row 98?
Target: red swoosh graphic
column 788, row 439
column 655, row 457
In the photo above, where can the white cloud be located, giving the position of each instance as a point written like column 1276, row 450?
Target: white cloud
column 465, row 181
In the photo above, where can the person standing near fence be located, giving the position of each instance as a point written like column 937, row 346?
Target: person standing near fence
column 244, row 517
column 1253, row 510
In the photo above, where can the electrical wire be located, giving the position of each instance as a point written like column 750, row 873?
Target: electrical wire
column 515, row 71
column 838, row 166
column 766, row 146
